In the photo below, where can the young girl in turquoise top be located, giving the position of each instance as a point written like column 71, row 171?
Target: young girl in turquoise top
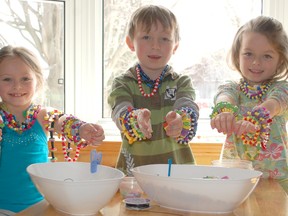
column 254, row 111
column 25, row 128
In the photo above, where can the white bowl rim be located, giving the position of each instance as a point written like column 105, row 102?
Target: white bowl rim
column 76, row 181
column 258, row 173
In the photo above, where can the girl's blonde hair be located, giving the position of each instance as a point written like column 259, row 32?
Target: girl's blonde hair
column 148, row 15
column 276, row 35
column 26, row 56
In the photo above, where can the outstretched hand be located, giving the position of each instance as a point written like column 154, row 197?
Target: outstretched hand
column 174, row 124
column 92, row 133
column 226, row 123
column 144, row 122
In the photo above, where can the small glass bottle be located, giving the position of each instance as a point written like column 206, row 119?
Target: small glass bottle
column 129, row 188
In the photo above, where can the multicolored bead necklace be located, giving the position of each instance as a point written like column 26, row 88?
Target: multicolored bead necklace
column 10, row 120
column 254, row 92
column 141, row 75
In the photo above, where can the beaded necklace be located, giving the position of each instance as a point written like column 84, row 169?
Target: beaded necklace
column 254, row 92
column 10, row 120
column 156, row 84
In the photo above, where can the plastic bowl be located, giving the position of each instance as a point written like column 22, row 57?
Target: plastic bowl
column 191, row 188
column 71, row 188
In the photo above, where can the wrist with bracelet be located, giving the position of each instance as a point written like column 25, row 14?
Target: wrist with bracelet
column 259, row 116
column 189, row 128
column 224, row 107
column 130, row 127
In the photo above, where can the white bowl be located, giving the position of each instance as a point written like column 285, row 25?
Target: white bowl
column 197, row 188
column 71, row 188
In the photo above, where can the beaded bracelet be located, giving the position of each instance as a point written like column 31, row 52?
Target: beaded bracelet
column 224, row 107
column 69, row 132
column 260, row 117
column 130, row 127
column 189, row 119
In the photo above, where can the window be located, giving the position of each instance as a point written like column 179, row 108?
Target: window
column 92, row 35
column 207, row 28
column 87, row 100
column 39, row 26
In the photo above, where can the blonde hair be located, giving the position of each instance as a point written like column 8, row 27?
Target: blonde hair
column 276, row 35
column 26, row 56
column 148, row 15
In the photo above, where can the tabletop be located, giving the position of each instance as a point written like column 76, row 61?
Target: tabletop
column 268, row 198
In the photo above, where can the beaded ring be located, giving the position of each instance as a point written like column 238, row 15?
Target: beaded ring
column 259, row 116
column 224, row 107
column 130, row 127
column 69, row 132
column 189, row 119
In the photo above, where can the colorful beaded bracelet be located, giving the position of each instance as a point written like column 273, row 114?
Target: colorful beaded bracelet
column 130, row 127
column 69, row 132
column 260, row 117
column 189, row 119
column 224, row 107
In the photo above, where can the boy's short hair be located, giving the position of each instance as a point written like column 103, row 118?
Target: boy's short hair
column 148, row 15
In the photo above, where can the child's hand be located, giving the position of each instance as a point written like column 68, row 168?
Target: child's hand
column 174, row 124
column 144, row 122
column 224, row 122
column 92, row 133
column 243, row 127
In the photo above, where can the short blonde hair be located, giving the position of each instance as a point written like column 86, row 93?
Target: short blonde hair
column 148, row 15
column 276, row 35
column 26, row 56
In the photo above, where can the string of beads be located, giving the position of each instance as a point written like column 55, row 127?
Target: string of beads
column 69, row 133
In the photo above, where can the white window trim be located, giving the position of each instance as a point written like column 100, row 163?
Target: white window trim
column 83, row 60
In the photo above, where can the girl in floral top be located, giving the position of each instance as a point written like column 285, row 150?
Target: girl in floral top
column 253, row 112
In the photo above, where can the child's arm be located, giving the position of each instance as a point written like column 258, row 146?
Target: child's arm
column 228, row 121
column 75, row 129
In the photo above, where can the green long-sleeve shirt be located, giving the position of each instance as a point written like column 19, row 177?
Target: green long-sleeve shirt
column 176, row 91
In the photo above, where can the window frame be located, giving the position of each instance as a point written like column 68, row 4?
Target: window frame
column 83, row 60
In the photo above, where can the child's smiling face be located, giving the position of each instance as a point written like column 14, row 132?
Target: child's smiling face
column 17, row 82
column 154, row 48
column 258, row 59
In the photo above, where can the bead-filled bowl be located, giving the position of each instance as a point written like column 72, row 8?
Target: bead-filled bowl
column 191, row 188
column 72, row 189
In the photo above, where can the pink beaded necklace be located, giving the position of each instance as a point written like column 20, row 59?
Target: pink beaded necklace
column 156, row 84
